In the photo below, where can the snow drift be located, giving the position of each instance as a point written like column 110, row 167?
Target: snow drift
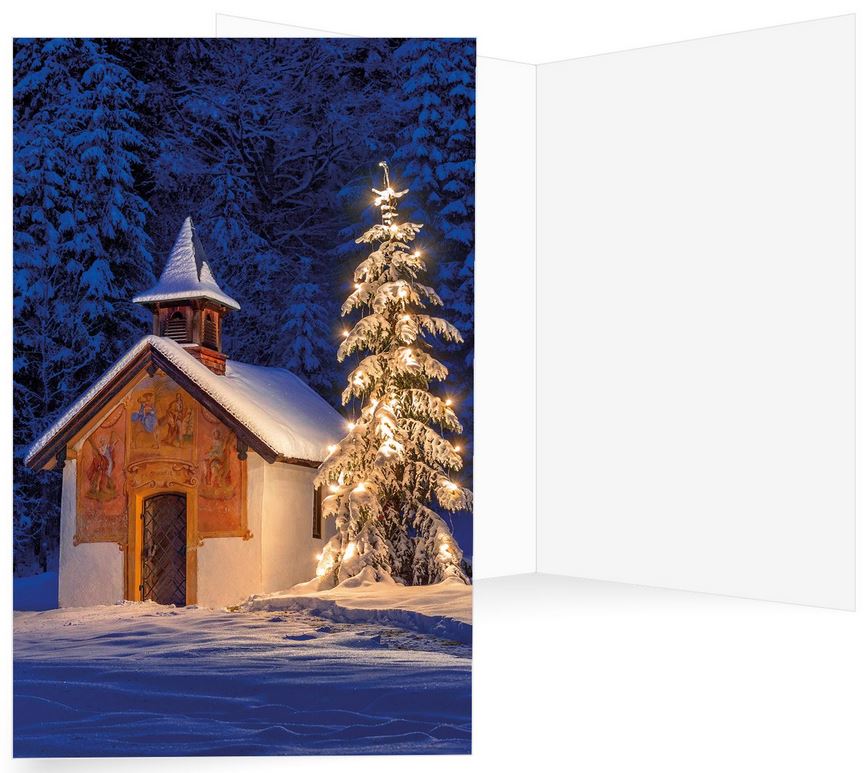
column 443, row 609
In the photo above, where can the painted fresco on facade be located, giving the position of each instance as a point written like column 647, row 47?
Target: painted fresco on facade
column 173, row 443
column 101, row 489
column 220, row 490
column 162, row 420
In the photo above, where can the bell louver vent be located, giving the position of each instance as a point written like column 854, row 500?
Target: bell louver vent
column 175, row 328
column 210, row 332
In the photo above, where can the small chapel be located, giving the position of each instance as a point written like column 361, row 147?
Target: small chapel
column 188, row 476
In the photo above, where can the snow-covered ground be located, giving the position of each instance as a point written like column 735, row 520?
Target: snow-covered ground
column 444, row 609
column 331, row 678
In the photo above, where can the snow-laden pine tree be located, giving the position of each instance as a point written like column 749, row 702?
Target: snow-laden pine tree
column 395, row 465
column 305, row 329
column 437, row 150
column 80, row 247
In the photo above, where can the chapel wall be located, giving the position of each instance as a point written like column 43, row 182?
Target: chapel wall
column 90, row 573
column 230, row 569
column 289, row 548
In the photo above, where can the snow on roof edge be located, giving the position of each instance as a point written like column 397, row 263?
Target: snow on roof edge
column 82, row 401
column 282, row 436
column 219, row 297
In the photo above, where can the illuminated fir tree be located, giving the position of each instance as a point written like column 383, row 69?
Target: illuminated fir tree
column 395, row 464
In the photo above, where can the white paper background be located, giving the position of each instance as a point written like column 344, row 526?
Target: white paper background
column 696, row 232
column 505, row 314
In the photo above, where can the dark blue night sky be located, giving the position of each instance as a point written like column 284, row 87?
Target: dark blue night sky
column 272, row 147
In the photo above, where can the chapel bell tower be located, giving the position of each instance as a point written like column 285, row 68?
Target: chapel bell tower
column 187, row 304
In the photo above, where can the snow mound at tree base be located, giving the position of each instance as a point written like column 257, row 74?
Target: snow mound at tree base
column 443, row 609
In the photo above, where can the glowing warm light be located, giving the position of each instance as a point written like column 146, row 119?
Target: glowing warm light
column 350, row 425
column 349, row 552
column 318, row 556
column 449, row 402
column 403, row 293
column 393, row 229
column 451, row 485
column 417, row 254
column 333, row 488
column 331, row 449
column 406, row 317
column 345, row 334
column 360, row 487
column 357, row 286
column 320, row 572
column 457, row 449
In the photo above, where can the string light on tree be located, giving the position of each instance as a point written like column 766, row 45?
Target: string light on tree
column 391, row 470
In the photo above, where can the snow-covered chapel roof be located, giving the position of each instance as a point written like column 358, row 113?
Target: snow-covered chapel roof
column 282, row 418
column 186, row 273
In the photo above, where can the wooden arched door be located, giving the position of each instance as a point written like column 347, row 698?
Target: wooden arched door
column 163, row 549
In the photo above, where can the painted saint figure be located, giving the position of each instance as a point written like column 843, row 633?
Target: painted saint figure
column 216, row 461
column 101, row 468
column 145, row 416
column 176, row 420
column 188, row 426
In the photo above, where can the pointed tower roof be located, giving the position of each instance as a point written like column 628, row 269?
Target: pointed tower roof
column 186, row 274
